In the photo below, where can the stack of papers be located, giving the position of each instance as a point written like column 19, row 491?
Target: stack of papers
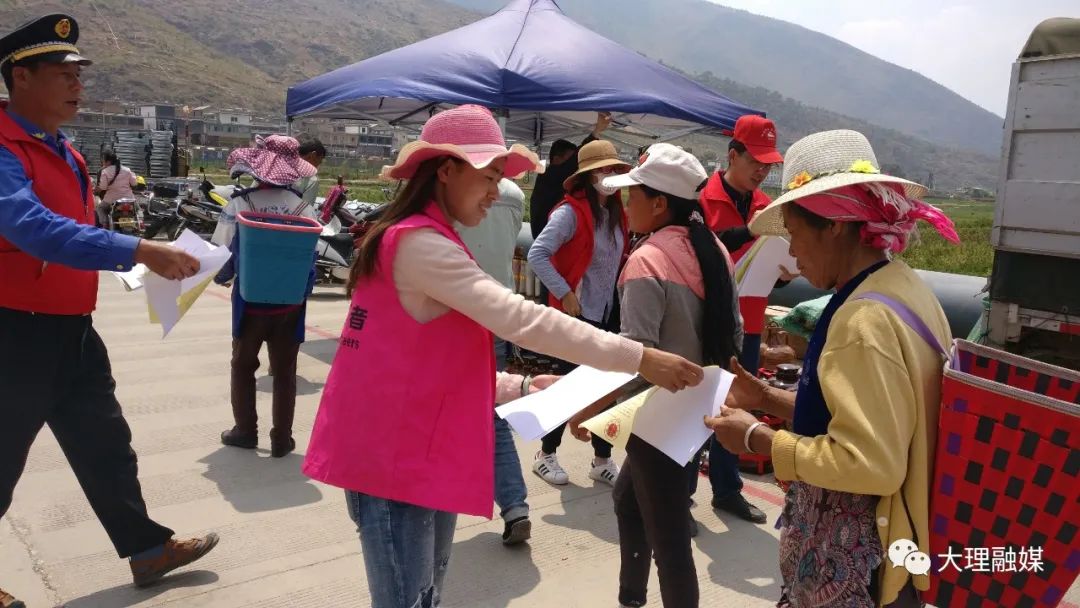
column 169, row 300
column 538, row 414
column 759, row 269
column 673, row 423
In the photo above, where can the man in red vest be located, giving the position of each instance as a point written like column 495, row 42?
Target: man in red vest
column 54, row 368
column 730, row 199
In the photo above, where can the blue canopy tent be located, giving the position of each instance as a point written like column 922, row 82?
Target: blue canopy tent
column 542, row 73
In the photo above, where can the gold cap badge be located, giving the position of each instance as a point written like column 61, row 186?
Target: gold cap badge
column 63, row 28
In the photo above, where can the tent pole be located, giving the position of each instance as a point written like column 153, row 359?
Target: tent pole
column 502, row 114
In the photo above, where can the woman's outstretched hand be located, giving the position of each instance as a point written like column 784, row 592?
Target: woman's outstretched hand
column 669, row 371
column 539, row 383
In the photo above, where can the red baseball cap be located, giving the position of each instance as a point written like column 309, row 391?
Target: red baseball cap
column 758, row 134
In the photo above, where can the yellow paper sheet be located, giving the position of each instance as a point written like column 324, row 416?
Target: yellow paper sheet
column 614, row 425
column 183, row 303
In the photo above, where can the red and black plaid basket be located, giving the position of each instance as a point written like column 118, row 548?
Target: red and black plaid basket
column 1006, row 477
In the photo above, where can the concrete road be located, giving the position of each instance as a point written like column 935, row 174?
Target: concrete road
column 287, row 541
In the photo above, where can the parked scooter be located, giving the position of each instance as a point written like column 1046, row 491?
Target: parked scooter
column 125, row 216
column 336, row 246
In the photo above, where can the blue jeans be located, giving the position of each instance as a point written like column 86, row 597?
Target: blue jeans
column 723, row 465
column 510, row 491
column 751, row 353
column 406, row 550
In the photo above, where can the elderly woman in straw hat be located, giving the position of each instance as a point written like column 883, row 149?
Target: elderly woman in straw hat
column 578, row 256
column 415, row 449
column 863, row 422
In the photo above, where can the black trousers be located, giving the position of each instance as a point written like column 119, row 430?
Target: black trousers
column 550, row 443
column 652, row 506
column 55, row 370
column 278, row 331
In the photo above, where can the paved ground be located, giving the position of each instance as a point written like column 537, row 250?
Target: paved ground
column 287, row 541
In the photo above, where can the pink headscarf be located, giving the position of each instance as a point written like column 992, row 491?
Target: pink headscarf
column 889, row 216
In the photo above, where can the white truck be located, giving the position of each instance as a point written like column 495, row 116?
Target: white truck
column 1035, row 283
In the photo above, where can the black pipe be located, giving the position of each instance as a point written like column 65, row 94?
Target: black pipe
column 960, row 296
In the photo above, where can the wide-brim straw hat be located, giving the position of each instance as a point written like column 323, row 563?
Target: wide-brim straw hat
column 469, row 133
column 597, row 155
column 821, row 162
column 273, row 160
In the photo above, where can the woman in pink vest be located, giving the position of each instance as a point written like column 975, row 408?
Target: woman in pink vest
column 405, row 423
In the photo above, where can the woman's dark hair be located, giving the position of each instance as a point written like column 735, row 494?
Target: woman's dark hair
column 110, row 157
column 312, row 145
column 583, row 182
column 341, row 180
column 410, row 200
column 718, row 343
column 560, row 147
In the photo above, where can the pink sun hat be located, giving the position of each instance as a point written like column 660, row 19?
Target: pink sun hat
column 274, row 160
column 467, row 132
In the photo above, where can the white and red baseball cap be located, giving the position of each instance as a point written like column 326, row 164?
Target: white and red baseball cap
column 667, row 168
column 758, row 134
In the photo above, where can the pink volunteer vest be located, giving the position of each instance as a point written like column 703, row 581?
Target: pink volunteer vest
column 406, row 413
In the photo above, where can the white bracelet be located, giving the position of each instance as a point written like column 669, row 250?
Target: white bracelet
column 746, row 437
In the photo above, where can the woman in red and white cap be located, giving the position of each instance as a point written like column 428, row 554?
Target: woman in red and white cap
column 405, row 422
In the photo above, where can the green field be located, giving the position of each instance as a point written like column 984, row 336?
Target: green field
column 974, row 255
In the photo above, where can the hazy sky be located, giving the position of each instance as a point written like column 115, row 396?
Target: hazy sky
column 968, row 46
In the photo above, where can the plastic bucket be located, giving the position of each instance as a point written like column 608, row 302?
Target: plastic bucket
column 277, row 253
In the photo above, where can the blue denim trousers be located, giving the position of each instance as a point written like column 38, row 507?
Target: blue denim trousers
column 723, row 465
column 406, row 550
column 510, row 491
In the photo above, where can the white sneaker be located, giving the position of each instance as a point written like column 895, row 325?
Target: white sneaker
column 548, row 468
column 606, row 472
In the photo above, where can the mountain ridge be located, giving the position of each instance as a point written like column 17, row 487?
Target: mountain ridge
column 195, row 53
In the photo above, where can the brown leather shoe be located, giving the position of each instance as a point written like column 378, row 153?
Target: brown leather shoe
column 177, row 553
column 8, row 601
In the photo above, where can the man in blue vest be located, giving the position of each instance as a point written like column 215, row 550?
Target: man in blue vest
column 54, row 368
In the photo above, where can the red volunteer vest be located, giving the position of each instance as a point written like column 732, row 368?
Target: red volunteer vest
column 721, row 214
column 574, row 257
column 30, row 284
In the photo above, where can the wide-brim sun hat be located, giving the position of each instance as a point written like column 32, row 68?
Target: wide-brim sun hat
column 597, row 155
column 274, row 160
column 469, row 133
column 825, row 161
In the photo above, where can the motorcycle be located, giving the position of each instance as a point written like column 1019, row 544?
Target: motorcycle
column 199, row 216
column 183, row 206
column 337, row 245
column 125, row 216
column 334, row 256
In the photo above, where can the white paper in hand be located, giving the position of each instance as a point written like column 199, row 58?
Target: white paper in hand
column 132, row 280
column 169, row 300
column 674, row 423
column 759, row 270
column 536, row 415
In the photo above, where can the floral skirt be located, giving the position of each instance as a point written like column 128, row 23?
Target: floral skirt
column 829, row 548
